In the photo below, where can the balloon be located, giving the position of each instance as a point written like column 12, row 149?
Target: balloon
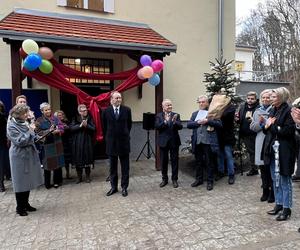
column 30, row 46
column 22, row 53
column 46, row 67
column 157, row 65
column 46, row 53
column 139, row 74
column 146, row 60
column 154, row 80
column 32, row 61
column 147, row 71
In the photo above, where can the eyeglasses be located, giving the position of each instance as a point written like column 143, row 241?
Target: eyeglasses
column 83, row 110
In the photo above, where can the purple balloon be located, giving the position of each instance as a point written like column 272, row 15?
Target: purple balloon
column 146, row 60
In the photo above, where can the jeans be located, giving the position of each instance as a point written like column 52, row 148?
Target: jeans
column 226, row 152
column 284, row 192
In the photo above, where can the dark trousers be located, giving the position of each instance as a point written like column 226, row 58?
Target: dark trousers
column 205, row 158
column 266, row 177
column 57, row 177
column 249, row 142
column 113, row 172
column 164, row 161
column 22, row 201
column 80, row 170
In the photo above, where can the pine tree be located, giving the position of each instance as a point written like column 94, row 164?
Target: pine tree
column 221, row 80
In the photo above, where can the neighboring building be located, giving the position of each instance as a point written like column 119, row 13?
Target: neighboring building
column 244, row 56
column 198, row 31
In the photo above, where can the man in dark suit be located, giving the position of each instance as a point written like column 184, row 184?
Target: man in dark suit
column 117, row 124
column 168, row 123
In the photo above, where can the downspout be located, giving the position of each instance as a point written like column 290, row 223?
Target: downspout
column 220, row 28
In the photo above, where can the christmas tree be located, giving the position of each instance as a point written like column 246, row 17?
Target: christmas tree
column 221, row 81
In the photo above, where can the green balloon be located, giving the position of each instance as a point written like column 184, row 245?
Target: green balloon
column 46, row 67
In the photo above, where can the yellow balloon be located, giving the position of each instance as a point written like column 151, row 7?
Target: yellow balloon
column 30, row 46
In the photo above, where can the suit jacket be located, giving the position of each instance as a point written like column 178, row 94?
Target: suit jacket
column 168, row 132
column 117, row 131
column 213, row 138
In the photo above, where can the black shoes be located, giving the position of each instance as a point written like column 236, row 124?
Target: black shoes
column 252, row 172
column 124, row 192
column 22, row 213
column 30, row 208
column 275, row 210
column 265, row 195
column 2, row 188
column 196, row 183
column 111, row 192
column 271, row 197
column 163, row 183
column 175, row 184
column 231, row 180
column 219, row 176
column 210, row 186
column 284, row 215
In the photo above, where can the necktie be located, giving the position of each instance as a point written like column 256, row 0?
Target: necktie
column 116, row 113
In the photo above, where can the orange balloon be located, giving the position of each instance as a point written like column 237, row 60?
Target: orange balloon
column 46, row 53
column 147, row 71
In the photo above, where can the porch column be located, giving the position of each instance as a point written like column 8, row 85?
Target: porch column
column 16, row 80
column 159, row 96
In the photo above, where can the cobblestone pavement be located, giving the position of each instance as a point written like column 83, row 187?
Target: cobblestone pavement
column 82, row 217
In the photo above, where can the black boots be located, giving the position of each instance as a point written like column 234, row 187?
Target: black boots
column 284, row 215
column 271, row 197
column 2, row 188
column 265, row 194
column 275, row 210
column 79, row 175
column 88, row 174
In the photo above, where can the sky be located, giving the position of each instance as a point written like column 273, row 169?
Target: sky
column 243, row 9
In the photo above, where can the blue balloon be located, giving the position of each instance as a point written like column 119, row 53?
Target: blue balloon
column 32, row 61
column 154, row 80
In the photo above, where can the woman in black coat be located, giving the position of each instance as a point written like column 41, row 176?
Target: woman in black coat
column 280, row 127
column 83, row 129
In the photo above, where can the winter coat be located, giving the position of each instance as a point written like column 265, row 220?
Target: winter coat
column 245, row 122
column 213, row 137
column 168, row 132
column 82, row 142
column 226, row 133
column 117, row 131
column 24, row 159
column 284, row 131
column 260, row 136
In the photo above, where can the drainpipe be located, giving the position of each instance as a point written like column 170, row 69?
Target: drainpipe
column 220, row 28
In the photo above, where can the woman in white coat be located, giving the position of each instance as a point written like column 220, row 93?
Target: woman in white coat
column 260, row 116
column 24, row 159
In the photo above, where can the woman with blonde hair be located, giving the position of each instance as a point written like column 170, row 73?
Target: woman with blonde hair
column 279, row 151
column 24, row 159
column 260, row 117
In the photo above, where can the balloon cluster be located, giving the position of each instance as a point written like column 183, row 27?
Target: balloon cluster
column 150, row 70
column 35, row 57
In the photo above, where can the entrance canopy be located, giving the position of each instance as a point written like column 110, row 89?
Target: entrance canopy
column 82, row 31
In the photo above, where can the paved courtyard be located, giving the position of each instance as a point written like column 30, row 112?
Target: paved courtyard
column 82, row 217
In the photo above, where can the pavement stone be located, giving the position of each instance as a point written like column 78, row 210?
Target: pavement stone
column 80, row 216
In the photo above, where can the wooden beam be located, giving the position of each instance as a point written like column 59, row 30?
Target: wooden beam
column 16, row 74
column 159, row 96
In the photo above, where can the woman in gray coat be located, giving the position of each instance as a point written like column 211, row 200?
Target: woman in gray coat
column 24, row 159
column 259, row 119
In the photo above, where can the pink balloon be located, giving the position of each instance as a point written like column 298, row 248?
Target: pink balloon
column 146, row 71
column 157, row 65
column 46, row 53
column 140, row 75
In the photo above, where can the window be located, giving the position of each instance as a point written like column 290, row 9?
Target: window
column 97, row 5
column 90, row 65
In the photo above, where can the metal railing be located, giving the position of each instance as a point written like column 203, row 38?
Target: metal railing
column 258, row 76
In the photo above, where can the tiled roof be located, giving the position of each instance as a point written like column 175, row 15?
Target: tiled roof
column 80, row 30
